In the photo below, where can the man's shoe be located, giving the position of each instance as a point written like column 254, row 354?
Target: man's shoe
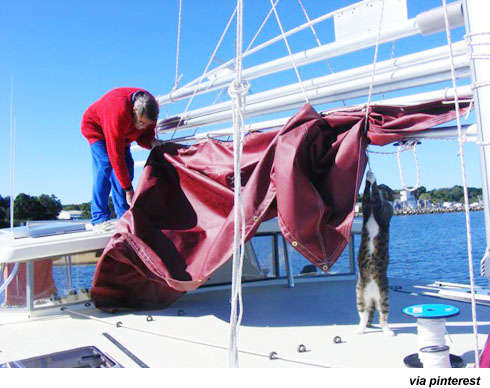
column 104, row 227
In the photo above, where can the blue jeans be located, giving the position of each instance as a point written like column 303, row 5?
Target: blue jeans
column 104, row 180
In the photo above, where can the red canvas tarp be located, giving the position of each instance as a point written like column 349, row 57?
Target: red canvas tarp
column 179, row 230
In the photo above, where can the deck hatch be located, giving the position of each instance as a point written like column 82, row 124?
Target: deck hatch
column 84, row 357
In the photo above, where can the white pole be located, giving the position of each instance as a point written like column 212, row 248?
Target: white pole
column 478, row 31
column 334, row 49
column 12, row 156
column 427, row 59
column 278, row 38
column 327, row 94
column 316, row 54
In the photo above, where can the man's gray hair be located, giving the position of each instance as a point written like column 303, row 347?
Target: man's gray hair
column 145, row 105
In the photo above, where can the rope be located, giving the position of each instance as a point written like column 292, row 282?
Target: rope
column 237, row 92
column 177, row 78
column 378, row 38
column 260, row 29
column 177, row 55
column 465, row 187
column 12, row 154
column 391, row 57
column 197, row 342
column 205, row 70
column 315, row 34
column 471, row 55
column 319, row 43
column 366, row 118
column 407, row 145
column 250, row 50
column 289, row 51
column 431, row 336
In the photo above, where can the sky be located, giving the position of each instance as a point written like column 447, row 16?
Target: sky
column 60, row 56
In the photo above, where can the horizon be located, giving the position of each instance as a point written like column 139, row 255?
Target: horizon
column 62, row 56
column 358, row 199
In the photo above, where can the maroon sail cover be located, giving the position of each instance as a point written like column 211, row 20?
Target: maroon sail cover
column 180, row 228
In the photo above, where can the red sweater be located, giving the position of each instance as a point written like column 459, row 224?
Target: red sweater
column 110, row 119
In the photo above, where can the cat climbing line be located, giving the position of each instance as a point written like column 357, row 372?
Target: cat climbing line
column 372, row 287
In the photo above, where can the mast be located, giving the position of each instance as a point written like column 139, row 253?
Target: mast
column 478, row 37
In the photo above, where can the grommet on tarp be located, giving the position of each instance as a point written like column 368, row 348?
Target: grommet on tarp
column 88, row 304
column 294, row 243
column 180, row 313
column 337, row 339
column 301, row 348
column 325, row 267
column 272, row 356
column 119, row 324
column 149, row 318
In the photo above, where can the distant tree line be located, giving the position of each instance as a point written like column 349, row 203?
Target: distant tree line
column 453, row 194
column 47, row 207
column 28, row 208
column 43, row 207
column 85, row 209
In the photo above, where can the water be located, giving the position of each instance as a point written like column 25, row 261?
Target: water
column 434, row 247
column 422, row 247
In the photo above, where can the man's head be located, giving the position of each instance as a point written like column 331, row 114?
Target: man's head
column 145, row 110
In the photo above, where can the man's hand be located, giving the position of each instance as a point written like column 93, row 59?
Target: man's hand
column 129, row 197
column 156, row 142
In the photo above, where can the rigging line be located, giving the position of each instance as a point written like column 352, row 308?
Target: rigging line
column 12, row 154
column 277, row 38
column 319, row 43
column 260, row 29
column 465, row 187
column 392, row 56
column 315, row 34
column 274, row 40
column 374, row 67
column 218, row 97
column 177, row 54
column 237, row 91
column 405, row 146
column 205, row 70
column 195, row 342
column 289, row 51
column 371, row 83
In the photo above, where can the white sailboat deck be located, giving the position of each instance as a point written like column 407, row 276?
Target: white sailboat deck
column 193, row 332
column 319, row 312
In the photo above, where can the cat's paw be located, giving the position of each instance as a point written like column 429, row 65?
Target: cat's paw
column 389, row 333
column 360, row 330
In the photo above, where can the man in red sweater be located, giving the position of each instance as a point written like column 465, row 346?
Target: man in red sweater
column 110, row 125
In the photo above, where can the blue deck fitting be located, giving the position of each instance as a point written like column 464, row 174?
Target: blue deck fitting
column 431, row 311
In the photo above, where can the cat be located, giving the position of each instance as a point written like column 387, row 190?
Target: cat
column 373, row 258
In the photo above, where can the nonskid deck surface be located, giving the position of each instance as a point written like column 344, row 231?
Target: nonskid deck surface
column 194, row 331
